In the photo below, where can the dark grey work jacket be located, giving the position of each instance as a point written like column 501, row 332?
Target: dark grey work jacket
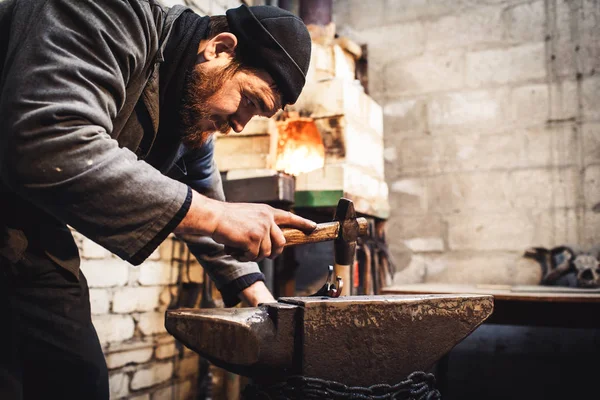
column 79, row 111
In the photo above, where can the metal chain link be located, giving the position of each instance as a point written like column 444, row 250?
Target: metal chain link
column 417, row 386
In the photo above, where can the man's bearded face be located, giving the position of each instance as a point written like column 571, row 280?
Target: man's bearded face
column 199, row 123
column 222, row 98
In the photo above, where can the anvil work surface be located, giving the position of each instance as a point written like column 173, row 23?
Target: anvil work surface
column 550, row 306
column 355, row 340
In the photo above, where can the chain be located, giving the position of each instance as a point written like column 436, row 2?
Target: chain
column 417, row 386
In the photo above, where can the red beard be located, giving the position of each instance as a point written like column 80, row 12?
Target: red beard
column 201, row 87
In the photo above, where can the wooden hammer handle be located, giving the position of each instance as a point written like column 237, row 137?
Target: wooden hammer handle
column 322, row 233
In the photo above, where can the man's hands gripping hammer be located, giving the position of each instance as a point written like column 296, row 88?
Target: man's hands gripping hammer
column 250, row 232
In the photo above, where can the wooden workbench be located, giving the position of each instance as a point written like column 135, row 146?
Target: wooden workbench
column 525, row 305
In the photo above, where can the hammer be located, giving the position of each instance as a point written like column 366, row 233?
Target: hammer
column 343, row 230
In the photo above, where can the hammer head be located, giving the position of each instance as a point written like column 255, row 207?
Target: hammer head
column 345, row 243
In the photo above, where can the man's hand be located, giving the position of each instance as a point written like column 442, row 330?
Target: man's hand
column 256, row 294
column 250, row 231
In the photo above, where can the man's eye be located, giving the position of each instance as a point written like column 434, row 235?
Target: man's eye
column 247, row 101
column 251, row 102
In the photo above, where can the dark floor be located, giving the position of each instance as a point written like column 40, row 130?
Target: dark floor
column 507, row 362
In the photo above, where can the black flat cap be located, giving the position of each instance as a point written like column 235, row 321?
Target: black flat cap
column 275, row 40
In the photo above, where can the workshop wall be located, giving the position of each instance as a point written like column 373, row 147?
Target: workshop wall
column 491, row 129
column 128, row 305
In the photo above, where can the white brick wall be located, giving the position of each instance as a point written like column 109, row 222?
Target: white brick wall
column 158, row 373
column 157, row 273
column 91, row 250
column 99, row 301
column 166, row 351
column 119, row 359
column 130, row 299
column 151, row 323
column 108, row 272
column 128, row 305
column 492, row 129
column 181, row 390
column 185, row 367
column 118, row 385
column 114, row 328
column 140, row 397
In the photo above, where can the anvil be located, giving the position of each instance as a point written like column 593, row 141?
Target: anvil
column 355, row 340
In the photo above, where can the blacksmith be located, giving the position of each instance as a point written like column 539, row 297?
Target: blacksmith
column 107, row 115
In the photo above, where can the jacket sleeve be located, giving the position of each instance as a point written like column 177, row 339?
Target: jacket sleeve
column 230, row 276
column 64, row 81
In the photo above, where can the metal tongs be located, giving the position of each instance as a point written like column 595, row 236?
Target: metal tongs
column 330, row 289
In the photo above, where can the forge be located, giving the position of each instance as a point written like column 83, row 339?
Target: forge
column 327, row 146
column 330, row 140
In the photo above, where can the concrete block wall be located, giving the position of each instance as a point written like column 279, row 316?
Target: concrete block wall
column 491, row 129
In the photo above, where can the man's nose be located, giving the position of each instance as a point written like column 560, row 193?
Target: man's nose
column 239, row 122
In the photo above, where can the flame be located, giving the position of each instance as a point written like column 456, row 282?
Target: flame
column 300, row 147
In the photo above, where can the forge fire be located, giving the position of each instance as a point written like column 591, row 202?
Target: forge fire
column 299, row 146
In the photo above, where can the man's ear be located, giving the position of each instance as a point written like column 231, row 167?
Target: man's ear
column 223, row 44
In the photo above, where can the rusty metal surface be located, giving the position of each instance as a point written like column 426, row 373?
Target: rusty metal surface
column 255, row 341
column 363, row 340
column 356, row 340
